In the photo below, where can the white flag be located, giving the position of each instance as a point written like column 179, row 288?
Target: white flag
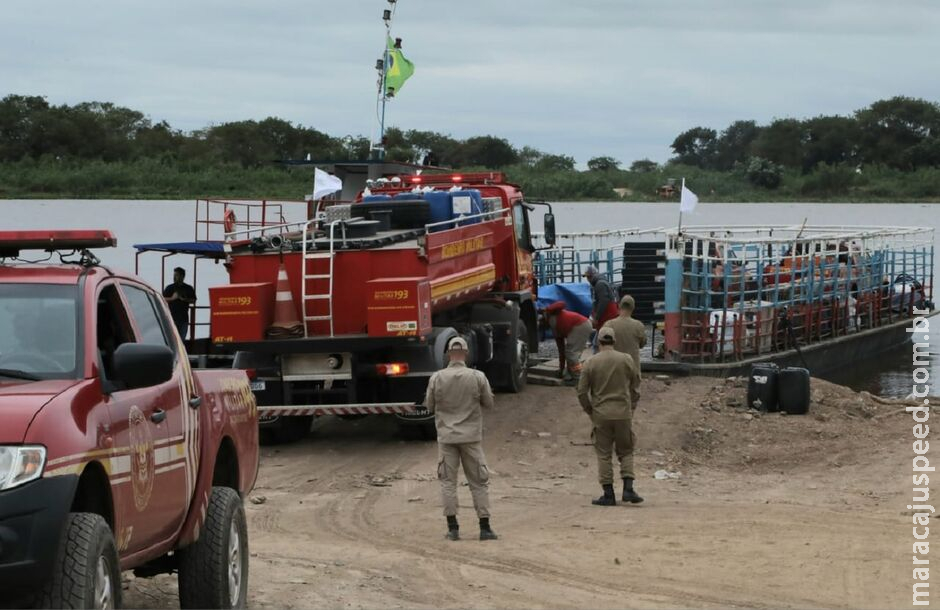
column 688, row 201
column 325, row 184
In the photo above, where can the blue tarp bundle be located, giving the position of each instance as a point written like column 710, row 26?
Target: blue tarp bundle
column 577, row 296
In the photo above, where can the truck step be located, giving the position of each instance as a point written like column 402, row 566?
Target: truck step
column 318, row 255
column 316, row 297
column 317, row 318
column 317, row 277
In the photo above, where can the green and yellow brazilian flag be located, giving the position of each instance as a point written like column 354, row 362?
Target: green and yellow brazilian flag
column 399, row 69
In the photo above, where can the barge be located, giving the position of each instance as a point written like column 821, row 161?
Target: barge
column 721, row 298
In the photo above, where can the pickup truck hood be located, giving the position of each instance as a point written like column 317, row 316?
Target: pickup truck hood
column 21, row 401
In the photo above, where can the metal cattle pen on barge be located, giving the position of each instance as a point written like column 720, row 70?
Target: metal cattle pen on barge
column 728, row 296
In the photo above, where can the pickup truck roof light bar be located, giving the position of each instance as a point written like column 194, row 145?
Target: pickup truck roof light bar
column 57, row 240
column 13, row 242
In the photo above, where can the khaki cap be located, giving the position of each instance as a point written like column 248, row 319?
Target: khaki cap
column 627, row 302
column 605, row 335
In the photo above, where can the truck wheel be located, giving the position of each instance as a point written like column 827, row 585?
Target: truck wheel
column 86, row 572
column 519, row 365
column 213, row 571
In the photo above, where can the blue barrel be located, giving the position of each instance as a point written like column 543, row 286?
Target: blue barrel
column 467, row 203
column 441, row 207
column 375, row 198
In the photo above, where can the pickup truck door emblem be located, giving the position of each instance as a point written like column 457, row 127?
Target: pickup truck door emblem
column 142, row 457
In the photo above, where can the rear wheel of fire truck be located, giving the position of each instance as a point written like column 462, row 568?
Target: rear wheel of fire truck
column 519, row 366
column 213, row 571
column 86, row 572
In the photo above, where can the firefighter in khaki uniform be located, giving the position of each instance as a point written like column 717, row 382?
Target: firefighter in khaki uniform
column 629, row 333
column 607, row 390
column 456, row 395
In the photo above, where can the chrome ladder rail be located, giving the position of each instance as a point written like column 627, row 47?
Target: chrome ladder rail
column 309, row 277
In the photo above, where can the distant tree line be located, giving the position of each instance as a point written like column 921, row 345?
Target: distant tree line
column 30, row 127
column 901, row 133
column 98, row 148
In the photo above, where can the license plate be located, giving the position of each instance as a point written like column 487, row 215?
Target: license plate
column 257, row 386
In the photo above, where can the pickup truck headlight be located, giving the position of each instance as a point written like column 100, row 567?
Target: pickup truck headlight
column 20, row 464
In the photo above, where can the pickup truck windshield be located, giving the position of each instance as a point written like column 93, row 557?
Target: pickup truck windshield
column 38, row 331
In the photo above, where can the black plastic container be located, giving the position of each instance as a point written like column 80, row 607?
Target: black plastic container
column 762, row 386
column 793, row 390
column 384, row 217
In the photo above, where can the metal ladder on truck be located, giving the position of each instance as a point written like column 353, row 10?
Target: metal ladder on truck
column 317, row 275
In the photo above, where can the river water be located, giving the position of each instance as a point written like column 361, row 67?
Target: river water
column 137, row 222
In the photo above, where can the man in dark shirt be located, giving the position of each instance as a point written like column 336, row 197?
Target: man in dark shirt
column 180, row 297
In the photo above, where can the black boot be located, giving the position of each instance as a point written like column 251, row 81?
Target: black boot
column 485, row 532
column 453, row 530
column 608, row 499
column 628, row 494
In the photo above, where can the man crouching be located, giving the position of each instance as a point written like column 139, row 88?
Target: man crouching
column 607, row 390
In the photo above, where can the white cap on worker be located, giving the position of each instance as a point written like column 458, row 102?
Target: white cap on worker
column 457, row 343
column 606, row 335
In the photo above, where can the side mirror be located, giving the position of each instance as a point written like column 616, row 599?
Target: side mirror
column 549, row 228
column 139, row 365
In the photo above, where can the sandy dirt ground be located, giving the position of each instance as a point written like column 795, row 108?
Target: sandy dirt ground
column 767, row 511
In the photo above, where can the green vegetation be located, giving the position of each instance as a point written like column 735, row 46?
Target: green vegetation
column 889, row 151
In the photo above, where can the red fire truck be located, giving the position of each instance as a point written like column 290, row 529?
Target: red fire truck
column 376, row 288
column 114, row 453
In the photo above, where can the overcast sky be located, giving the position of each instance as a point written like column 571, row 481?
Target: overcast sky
column 585, row 78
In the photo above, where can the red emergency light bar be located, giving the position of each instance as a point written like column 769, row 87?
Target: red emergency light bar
column 15, row 241
column 468, row 178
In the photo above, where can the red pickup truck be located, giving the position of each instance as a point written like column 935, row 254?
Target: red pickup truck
column 114, row 453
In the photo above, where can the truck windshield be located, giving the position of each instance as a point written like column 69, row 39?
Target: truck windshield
column 38, row 331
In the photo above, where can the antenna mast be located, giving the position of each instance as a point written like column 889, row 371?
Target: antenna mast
column 377, row 148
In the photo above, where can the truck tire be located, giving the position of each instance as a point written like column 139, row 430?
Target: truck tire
column 213, row 571
column 86, row 572
column 519, row 365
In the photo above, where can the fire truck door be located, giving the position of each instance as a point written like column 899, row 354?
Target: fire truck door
column 169, row 464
